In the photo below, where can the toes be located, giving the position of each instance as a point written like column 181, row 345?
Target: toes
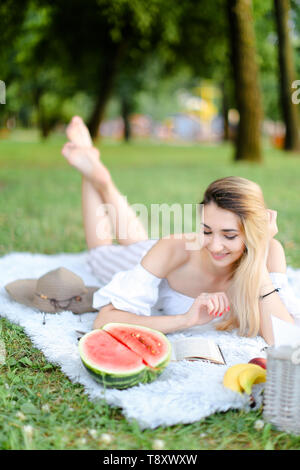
column 77, row 120
column 73, row 126
column 67, row 148
column 78, row 133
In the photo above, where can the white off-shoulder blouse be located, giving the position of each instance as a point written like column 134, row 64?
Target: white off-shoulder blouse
column 141, row 292
column 138, row 291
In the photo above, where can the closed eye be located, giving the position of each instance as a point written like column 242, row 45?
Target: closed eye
column 226, row 236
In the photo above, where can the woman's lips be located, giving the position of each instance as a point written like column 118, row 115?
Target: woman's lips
column 218, row 257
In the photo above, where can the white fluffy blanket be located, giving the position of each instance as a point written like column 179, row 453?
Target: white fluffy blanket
column 185, row 392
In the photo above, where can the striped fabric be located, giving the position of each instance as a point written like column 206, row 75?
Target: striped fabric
column 105, row 261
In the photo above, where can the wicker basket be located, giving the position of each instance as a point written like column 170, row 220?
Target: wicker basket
column 282, row 389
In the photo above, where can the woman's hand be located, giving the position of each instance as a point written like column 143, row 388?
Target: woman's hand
column 206, row 307
column 273, row 229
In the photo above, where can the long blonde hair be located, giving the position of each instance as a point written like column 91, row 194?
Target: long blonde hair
column 245, row 199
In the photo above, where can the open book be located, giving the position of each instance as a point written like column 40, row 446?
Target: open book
column 197, row 349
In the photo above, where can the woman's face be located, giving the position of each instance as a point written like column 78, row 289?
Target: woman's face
column 222, row 237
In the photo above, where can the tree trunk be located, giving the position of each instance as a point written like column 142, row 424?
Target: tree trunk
column 246, row 86
column 107, row 80
column 287, row 76
column 225, row 110
column 100, row 105
column 125, row 109
column 41, row 121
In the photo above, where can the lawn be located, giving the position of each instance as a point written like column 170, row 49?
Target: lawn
column 41, row 212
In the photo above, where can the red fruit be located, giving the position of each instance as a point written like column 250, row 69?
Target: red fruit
column 260, row 361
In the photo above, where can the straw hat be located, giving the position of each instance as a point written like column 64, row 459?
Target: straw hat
column 53, row 292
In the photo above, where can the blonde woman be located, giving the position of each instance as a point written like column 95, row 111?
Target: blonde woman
column 234, row 280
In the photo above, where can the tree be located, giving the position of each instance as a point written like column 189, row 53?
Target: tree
column 12, row 13
column 96, row 39
column 40, row 87
column 206, row 54
column 100, row 49
column 245, row 75
column 286, row 76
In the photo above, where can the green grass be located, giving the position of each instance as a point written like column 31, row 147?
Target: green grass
column 40, row 211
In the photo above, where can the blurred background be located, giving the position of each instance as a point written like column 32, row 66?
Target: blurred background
column 176, row 94
column 186, row 72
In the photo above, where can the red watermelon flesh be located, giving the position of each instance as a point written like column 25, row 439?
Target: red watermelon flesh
column 149, row 344
column 115, row 357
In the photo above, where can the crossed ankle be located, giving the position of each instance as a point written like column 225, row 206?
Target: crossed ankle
column 101, row 182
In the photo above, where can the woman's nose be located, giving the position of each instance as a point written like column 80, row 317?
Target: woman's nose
column 216, row 244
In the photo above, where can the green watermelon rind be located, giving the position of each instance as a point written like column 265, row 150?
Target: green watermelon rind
column 164, row 360
column 106, row 380
column 147, row 375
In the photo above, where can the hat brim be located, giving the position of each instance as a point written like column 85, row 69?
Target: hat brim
column 23, row 291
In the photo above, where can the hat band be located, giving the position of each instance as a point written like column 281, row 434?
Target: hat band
column 62, row 304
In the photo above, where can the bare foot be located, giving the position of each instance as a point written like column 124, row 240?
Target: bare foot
column 78, row 133
column 86, row 160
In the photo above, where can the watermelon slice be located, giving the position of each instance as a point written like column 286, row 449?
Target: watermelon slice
column 121, row 355
column 149, row 344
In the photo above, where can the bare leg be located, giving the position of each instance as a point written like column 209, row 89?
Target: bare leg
column 92, row 202
column 126, row 226
column 97, row 225
column 106, row 213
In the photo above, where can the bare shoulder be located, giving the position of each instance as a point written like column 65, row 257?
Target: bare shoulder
column 276, row 261
column 166, row 255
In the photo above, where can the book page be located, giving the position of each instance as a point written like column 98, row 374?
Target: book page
column 196, row 348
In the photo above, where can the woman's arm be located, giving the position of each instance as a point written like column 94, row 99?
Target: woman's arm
column 272, row 304
column 163, row 323
column 205, row 307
